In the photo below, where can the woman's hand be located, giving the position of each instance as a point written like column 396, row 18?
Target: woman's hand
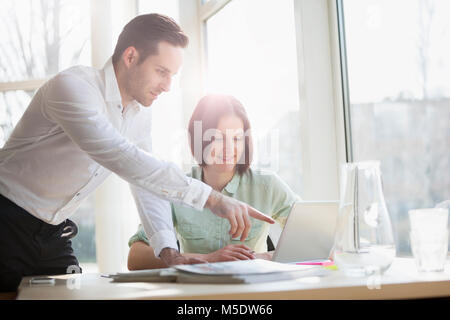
column 231, row 252
column 172, row 257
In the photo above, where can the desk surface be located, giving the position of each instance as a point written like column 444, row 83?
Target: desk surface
column 400, row 281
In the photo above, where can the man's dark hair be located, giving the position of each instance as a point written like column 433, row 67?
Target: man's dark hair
column 144, row 32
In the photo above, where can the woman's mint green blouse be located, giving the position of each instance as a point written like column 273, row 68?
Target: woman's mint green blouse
column 204, row 232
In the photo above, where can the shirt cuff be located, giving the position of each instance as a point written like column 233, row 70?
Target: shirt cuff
column 140, row 235
column 197, row 195
column 163, row 239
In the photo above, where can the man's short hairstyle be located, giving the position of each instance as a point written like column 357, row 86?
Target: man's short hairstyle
column 208, row 112
column 144, row 32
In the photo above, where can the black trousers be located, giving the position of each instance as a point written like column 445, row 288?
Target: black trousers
column 30, row 246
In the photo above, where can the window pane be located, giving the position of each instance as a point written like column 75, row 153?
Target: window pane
column 40, row 38
column 253, row 58
column 12, row 106
column 398, row 56
column 84, row 243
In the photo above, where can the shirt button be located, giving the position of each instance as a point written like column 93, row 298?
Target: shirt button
column 77, row 194
column 96, row 174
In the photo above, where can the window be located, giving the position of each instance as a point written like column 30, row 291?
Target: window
column 12, row 105
column 398, row 57
column 39, row 39
column 251, row 54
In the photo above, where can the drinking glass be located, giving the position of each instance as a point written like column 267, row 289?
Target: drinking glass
column 429, row 238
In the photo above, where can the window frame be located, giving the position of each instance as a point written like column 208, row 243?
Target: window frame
column 341, row 38
column 322, row 116
column 31, row 84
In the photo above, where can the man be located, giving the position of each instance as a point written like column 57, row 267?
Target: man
column 82, row 125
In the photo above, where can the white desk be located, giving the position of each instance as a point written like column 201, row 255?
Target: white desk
column 401, row 281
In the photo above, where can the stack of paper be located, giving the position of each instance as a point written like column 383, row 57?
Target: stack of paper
column 151, row 275
column 243, row 271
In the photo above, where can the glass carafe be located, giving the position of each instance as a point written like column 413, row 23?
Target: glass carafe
column 364, row 241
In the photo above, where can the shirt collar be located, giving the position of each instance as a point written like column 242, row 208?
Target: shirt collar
column 231, row 186
column 112, row 92
column 136, row 106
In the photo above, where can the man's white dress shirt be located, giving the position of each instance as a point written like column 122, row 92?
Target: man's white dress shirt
column 72, row 136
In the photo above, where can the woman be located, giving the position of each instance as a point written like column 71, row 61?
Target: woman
column 224, row 155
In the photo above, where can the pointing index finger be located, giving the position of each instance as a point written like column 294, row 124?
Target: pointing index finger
column 259, row 215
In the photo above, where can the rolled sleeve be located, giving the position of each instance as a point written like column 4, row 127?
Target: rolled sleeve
column 139, row 236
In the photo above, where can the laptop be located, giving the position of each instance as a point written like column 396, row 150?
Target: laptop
column 308, row 235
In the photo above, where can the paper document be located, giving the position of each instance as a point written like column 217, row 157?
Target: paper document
column 245, row 271
column 242, row 271
column 241, row 267
column 150, row 275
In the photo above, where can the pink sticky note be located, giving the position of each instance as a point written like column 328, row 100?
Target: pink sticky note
column 324, row 263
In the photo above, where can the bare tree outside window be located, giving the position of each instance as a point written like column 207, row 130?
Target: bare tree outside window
column 39, row 38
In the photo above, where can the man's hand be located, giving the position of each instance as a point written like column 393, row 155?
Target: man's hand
column 172, row 257
column 236, row 212
column 231, row 252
